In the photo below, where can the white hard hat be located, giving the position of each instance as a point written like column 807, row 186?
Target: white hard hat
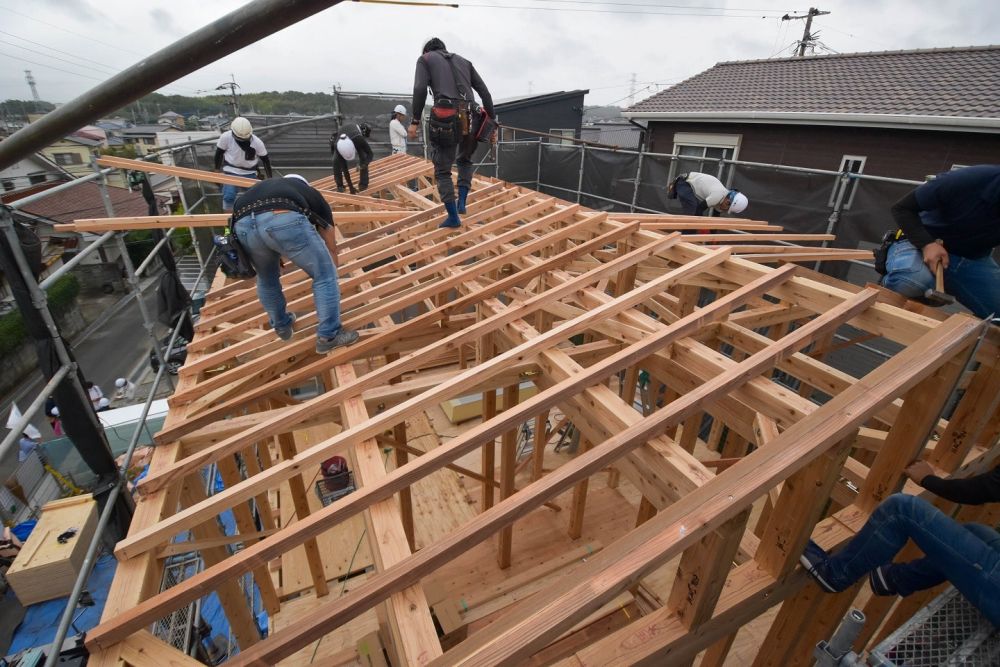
column 400, row 109
column 120, row 382
column 241, row 127
column 346, row 148
column 739, row 203
column 298, row 176
column 103, row 403
column 55, row 412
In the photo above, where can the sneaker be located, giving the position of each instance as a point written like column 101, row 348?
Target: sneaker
column 814, row 560
column 285, row 333
column 878, row 579
column 344, row 337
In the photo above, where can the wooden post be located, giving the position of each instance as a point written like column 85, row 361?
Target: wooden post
column 508, row 461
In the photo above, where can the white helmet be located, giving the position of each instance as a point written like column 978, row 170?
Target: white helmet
column 400, row 109
column 103, row 403
column 738, row 203
column 298, row 176
column 120, row 382
column 346, row 148
column 241, row 127
column 55, row 412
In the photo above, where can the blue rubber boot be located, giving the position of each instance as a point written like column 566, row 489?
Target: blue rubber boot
column 463, row 194
column 452, row 221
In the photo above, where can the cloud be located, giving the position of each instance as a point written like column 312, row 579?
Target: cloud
column 162, row 20
column 80, row 9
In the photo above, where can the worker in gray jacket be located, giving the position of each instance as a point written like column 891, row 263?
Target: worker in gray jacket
column 451, row 79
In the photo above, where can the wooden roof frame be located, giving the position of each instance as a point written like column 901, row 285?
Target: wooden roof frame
column 525, row 274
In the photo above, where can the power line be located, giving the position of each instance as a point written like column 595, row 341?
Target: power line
column 57, row 27
column 42, row 53
column 52, row 48
column 659, row 5
column 58, row 69
column 808, row 38
column 610, row 11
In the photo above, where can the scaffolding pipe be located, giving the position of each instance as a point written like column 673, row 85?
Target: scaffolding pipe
column 579, row 182
column 102, row 524
column 635, row 190
column 232, row 32
column 22, row 423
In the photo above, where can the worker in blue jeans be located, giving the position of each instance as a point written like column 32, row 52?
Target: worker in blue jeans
column 287, row 217
column 952, row 220
column 967, row 555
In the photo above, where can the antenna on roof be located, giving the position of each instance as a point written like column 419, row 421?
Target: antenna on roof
column 808, row 39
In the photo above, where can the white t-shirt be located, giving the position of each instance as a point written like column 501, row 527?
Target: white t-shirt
column 236, row 162
column 707, row 188
column 397, row 136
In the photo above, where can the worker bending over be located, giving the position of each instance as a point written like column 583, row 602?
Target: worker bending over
column 349, row 144
column 953, row 220
column 699, row 192
column 238, row 153
column 451, row 79
column 287, row 217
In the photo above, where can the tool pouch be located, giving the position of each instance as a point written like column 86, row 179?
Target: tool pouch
column 881, row 253
column 444, row 126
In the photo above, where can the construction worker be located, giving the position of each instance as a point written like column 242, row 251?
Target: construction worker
column 351, row 143
column 397, row 130
column 966, row 554
column 238, row 153
column 451, row 79
column 124, row 388
column 287, row 217
column 952, row 220
column 699, row 192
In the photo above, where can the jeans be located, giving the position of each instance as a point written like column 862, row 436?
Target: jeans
column 229, row 195
column 974, row 282
column 267, row 236
column 690, row 204
column 967, row 555
column 444, row 157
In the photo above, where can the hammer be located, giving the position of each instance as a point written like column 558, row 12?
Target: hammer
column 937, row 296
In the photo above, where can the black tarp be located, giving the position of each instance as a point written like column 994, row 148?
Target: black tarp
column 79, row 420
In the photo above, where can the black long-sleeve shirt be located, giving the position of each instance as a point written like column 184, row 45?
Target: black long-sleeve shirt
column 434, row 70
column 960, row 207
column 306, row 197
column 977, row 490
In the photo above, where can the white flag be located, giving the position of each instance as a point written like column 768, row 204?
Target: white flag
column 15, row 416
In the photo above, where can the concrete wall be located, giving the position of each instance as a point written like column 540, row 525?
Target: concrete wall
column 19, row 363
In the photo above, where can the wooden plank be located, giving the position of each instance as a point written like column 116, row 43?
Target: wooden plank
column 153, row 535
column 155, row 607
column 508, row 460
column 688, row 520
column 414, row 638
column 144, row 650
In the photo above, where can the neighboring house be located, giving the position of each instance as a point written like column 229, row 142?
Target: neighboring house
column 623, row 135
column 171, row 118
column 216, row 122
column 29, row 171
column 904, row 114
column 73, row 153
column 557, row 113
column 79, row 202
column 901, row 114
column 143, row 137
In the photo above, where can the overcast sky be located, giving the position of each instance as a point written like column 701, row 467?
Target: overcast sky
column 518, row 47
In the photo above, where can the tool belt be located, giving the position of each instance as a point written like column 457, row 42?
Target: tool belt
column 448, row 122
column 268, row 204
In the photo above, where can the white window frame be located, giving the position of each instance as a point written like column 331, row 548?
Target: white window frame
column 851, row 183
column 703, row 140
column 562, row 131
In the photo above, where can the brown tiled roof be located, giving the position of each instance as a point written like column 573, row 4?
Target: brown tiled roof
column 84, row 201
column 955, row 82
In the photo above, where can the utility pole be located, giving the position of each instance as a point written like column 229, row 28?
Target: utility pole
column 807, row 37
column 231, row 86
column 631, row 90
